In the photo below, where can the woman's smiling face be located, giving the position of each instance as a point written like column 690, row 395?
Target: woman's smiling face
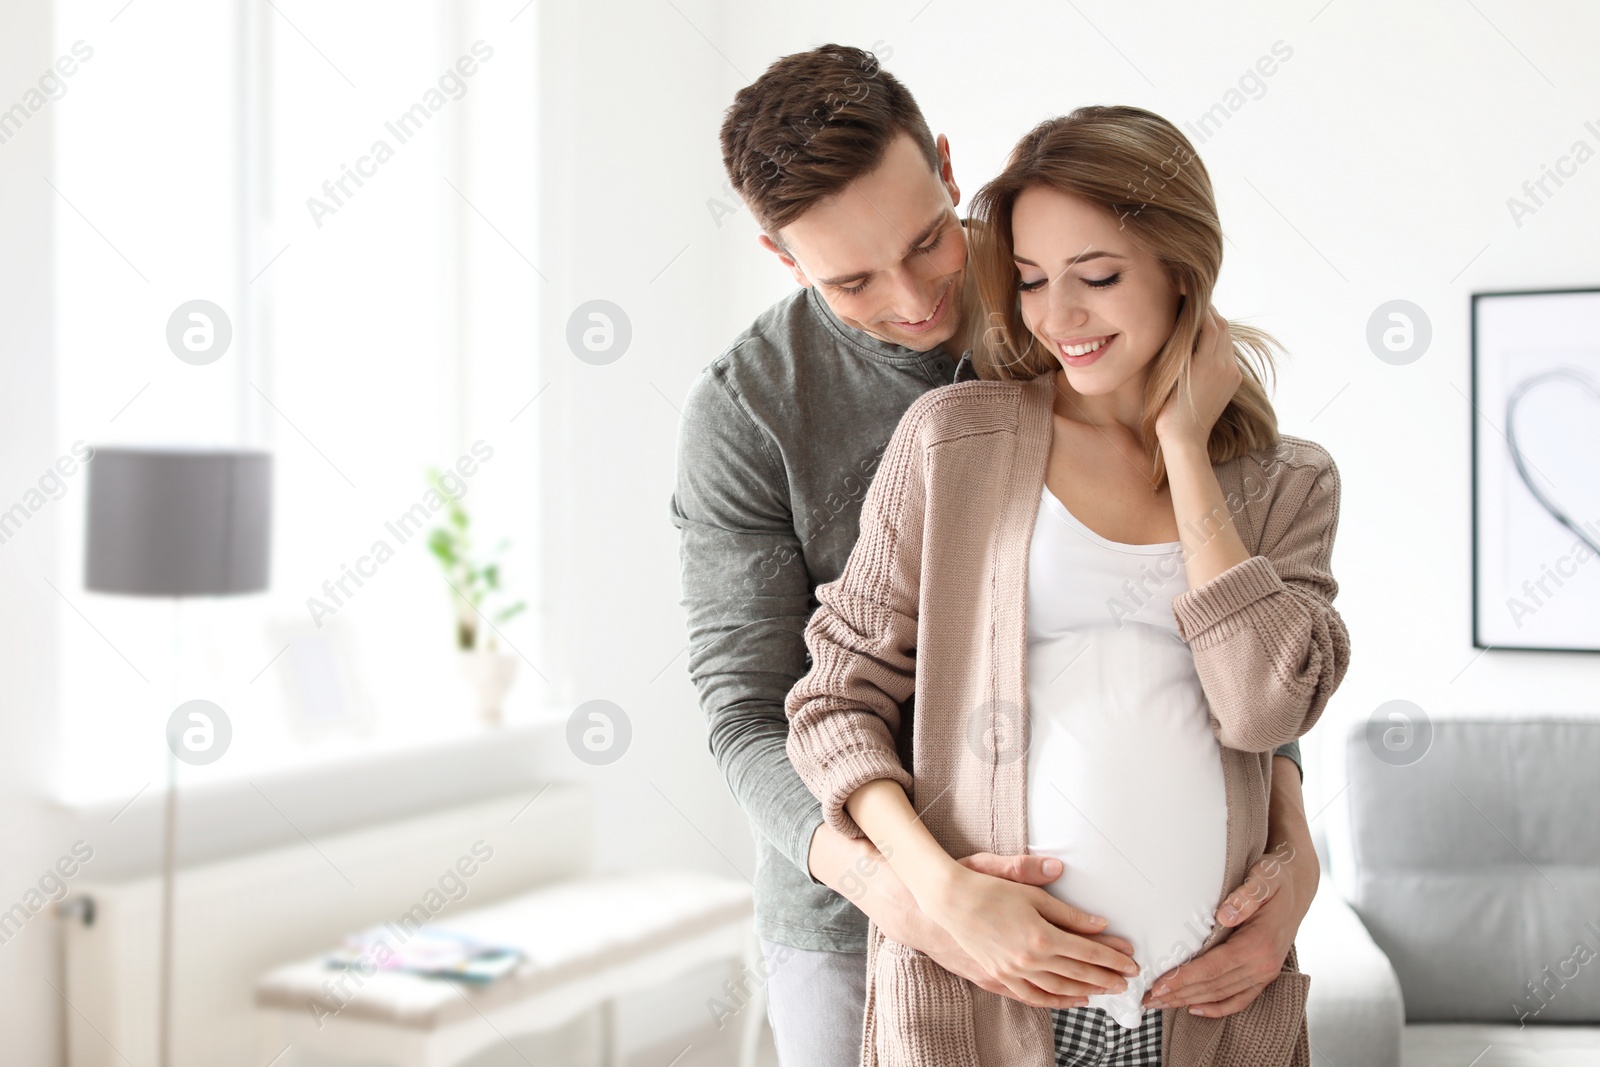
column 1089, row 294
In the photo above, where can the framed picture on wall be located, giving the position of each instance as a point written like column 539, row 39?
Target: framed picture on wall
column 1536, row 470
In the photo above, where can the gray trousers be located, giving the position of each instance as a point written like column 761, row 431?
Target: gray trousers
column 817, row 1004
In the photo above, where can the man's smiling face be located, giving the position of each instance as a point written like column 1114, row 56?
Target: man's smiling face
column 888, row 253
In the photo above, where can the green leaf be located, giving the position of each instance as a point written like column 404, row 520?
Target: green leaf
column 442, row 545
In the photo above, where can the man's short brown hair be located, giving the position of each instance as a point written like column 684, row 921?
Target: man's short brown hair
column 812, row 124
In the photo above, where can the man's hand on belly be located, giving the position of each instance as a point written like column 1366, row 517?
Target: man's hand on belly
column 853, row 868
column 1266, row 912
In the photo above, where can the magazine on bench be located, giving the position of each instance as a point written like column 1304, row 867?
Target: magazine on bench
column 430, row 951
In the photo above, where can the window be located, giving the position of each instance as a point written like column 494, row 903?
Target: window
column 353, row 186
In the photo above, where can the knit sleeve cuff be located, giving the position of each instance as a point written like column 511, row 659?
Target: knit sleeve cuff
column 1200, row 608
column 850, row 772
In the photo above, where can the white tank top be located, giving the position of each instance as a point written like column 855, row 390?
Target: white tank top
column 1124, row 778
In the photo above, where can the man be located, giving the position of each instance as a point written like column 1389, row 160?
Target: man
column 779, row 440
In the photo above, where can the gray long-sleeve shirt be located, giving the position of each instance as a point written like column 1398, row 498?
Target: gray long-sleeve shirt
column 780, row 437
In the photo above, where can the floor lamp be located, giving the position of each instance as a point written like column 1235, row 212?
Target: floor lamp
column 170, row 523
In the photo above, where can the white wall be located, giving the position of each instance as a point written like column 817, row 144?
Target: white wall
column 31, row 837
column 631, row 108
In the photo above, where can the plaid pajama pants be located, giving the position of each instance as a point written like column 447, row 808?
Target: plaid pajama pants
column 1088, row 1037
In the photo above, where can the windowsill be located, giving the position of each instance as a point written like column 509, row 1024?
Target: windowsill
column 337, row 753
column 336, row 788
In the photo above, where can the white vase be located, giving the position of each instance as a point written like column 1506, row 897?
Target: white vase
column 491, row 674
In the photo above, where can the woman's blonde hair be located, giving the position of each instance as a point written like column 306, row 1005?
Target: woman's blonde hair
column 1138, row 166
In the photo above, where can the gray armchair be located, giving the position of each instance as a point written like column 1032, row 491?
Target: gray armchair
column 1459, row 923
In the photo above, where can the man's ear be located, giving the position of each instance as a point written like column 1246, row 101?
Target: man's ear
column 786, row 259
column 946, row 173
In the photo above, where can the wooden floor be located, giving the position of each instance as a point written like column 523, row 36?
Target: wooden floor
column 711, row 1049
column 575, row 1046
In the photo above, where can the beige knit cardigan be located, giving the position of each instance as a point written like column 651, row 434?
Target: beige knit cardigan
column 932, row 604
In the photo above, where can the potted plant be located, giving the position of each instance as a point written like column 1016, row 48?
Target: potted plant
column 480, row 605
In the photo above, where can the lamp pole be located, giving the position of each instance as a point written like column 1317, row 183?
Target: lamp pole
column 169, row 859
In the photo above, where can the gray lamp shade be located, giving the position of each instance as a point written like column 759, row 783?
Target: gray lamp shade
column 178, row 523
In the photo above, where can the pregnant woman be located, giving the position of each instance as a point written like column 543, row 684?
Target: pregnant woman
column 1103, row 575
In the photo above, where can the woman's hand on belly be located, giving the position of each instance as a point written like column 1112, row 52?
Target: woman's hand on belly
column 1024, row 938
column 854, row 868
column 1025, row 870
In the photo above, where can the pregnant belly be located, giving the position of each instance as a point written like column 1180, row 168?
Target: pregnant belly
column 1124, row 786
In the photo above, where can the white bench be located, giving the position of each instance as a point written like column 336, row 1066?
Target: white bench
column 586, row 942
